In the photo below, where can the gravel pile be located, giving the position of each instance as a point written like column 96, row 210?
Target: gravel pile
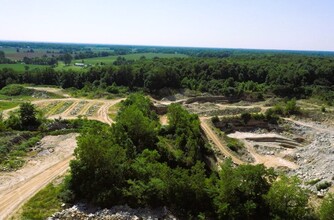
column 80, row 212
column 315, row 160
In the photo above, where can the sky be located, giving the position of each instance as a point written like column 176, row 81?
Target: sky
column 254, row 24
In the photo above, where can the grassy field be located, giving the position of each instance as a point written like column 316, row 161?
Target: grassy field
column 111, row 59
column 8, row 105
column 20, row 67
column 62, row 66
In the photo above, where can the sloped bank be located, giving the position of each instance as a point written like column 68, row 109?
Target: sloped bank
column 80, row 211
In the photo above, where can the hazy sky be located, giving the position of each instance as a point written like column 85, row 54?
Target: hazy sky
column 267, row 24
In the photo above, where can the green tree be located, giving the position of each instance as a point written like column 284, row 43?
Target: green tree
column 28, row 117
column 98, row 172
column 237, row 193
column 67, row 58
column 286, row 199
column 140, row 129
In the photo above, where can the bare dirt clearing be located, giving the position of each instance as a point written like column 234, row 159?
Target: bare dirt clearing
column 272, row 143
column 17, row 187
column 72, row 108
column 57, row 91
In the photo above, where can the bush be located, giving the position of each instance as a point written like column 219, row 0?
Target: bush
column 215, row 119
column 246, row 117
column 15, row 90
column 234, row 144
column 323, row 109
column 323, row 185
column 258, row 116
column 285, row 109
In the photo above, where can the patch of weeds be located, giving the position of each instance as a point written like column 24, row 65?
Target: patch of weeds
column 234, row 144
column 44, row 203
column 312, row 182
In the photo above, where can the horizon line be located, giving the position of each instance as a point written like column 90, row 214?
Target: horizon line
column 174, row 46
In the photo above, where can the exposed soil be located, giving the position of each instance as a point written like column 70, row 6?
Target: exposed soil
column 17, row 187
column 57, row 91
column 271, row 139
column 73, row 111
column 218, row 142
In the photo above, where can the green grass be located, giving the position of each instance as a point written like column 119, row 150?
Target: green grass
column 113, row 110
column 44, row 203
column 8, row 105
column 19, row 93
column 14, row 147
column 234, row 144
column 111, row 59
column 20, row 67
column 62, row 66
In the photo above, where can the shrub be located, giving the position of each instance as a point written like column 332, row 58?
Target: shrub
column 246, row 117
column 215, row 119
column 323, row 185
column 15, row 90
column 323, row 109
column 234, row 144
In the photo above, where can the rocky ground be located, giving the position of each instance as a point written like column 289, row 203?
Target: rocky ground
column 316, row 159
column 82, row 212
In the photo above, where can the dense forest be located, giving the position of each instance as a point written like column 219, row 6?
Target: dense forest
column 281, row 75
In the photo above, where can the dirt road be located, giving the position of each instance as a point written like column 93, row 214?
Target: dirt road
column 216, row 140
column 14, row 197
column 17, row 187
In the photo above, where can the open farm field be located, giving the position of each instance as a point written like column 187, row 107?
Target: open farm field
column 21, row 67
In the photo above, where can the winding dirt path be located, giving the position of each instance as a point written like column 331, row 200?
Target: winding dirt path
column 216, row 140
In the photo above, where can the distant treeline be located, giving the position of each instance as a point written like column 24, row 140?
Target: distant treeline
column 281, row 75
column 97, row 49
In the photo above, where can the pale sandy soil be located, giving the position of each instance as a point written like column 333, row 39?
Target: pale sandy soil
column 218, row 142
column 163, row 119
column 267, row 160
column 17, row 187
column 57, row 91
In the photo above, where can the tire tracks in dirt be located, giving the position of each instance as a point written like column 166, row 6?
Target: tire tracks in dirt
column 11, row 199
column 216, row 140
